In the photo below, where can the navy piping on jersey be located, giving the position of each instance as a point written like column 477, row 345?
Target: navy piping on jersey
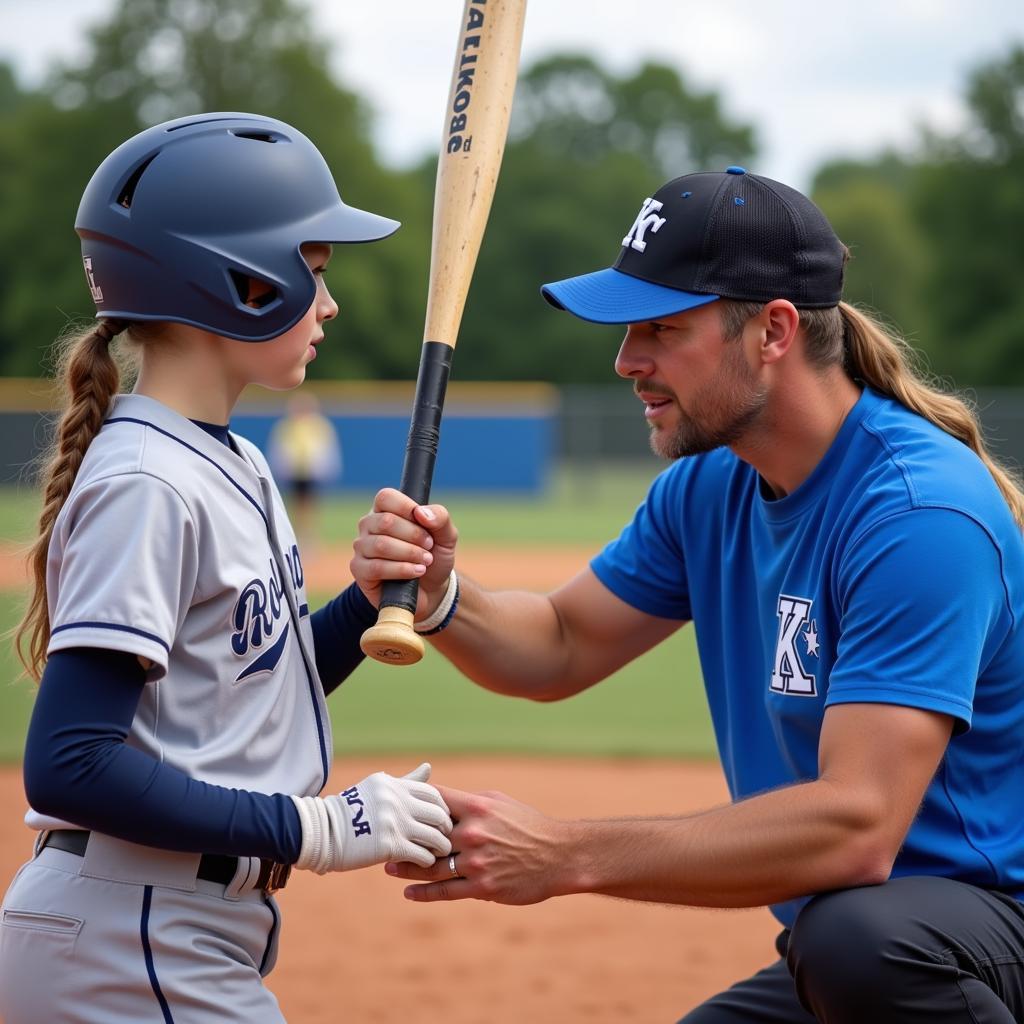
column 273, row 931
column 147, row 900
column 293, row 606
column 213, row 462
column 337, row 628
column 324, row 762
column 223, row 434
column 107, row 625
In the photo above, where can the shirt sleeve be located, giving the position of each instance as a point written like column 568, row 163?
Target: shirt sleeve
column 123, row 568
column 644, row 565
column 923, row 607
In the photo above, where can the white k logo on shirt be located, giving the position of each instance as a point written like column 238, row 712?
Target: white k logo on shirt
column 788, row 673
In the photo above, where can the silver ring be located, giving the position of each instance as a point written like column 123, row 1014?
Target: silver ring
column 451, row 866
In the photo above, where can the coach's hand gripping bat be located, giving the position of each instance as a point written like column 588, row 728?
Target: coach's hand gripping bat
column 476, row 124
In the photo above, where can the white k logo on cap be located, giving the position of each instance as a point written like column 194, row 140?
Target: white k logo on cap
column 646, row 220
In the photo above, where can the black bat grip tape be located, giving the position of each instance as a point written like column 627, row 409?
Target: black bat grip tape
column 421, row 451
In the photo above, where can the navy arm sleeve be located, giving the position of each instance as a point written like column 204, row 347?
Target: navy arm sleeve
column 337, row 628
column 79, row 768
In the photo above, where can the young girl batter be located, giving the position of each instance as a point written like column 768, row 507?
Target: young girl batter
column 180, row 732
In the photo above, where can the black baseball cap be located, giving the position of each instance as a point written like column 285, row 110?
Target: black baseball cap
column 709, row 236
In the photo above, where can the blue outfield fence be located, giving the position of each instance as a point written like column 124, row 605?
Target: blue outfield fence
column 511, row 452
column 494, row 437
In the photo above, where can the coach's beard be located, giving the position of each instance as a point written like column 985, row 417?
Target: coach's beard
column 721, row 413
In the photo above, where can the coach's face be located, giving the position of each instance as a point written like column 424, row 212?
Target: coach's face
column 699, row 391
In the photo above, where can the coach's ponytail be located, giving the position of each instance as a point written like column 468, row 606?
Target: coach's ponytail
column 88, row 377
column 887, row 363
column 849, row 337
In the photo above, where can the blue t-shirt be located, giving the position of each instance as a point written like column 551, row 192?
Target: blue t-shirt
column 893, row 574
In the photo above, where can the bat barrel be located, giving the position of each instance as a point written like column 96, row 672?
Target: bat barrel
column 392, row 638
column 473, row 139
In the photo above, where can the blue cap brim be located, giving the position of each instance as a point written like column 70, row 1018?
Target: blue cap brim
column 611, row 297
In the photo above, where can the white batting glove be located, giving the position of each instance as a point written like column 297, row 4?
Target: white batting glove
column 380, row 819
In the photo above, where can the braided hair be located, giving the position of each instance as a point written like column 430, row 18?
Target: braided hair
column 89, row 377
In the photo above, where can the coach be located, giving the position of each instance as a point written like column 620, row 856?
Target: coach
column 852, row 560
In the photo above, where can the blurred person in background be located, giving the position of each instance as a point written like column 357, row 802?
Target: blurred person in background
column 305, row 454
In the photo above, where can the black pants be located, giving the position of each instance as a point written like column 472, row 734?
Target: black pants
column 913, row 951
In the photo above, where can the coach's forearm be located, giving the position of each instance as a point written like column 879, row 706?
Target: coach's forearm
column 510, row 642
column 771, row 848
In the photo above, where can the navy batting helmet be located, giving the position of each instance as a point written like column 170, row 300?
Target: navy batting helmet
column 178, row 219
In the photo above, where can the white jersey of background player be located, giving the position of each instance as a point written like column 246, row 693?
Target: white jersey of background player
column 180, row 734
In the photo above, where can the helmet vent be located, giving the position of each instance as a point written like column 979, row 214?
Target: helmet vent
column 252, row 292
column 128, row 192
column 257, row 136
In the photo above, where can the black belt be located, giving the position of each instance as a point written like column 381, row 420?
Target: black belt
column 213, row 867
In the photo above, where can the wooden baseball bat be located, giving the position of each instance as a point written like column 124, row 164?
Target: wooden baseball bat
column 476, row 124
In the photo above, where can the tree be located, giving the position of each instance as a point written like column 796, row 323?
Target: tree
column 157, row 59
column 995, row 96
column 570, row 107
column 11, row 97
column 587, row 147
column 969, row 200
column 868, row 205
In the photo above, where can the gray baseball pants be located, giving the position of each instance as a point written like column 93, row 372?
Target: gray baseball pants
column 128, row 935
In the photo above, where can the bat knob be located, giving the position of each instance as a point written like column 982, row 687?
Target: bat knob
column 392, row 639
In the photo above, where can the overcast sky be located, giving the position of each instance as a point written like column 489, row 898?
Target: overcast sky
column 818, row 78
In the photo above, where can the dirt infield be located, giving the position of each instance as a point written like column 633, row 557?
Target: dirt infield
column 353, row 949
column 535, row 568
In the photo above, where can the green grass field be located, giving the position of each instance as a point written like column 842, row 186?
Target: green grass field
column 578, row 508
column 653, row 707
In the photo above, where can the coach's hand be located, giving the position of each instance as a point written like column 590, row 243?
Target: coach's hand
column 504, row 851
column 382, row 818
column 400, row 540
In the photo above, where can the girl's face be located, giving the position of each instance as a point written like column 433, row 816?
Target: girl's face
column 280, row 364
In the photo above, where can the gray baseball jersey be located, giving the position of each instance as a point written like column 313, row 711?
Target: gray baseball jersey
column 176, row 548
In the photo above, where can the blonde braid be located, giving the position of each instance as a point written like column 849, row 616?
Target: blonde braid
column 89, row 377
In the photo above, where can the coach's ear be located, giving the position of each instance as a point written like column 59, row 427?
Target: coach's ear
column 776, row 329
